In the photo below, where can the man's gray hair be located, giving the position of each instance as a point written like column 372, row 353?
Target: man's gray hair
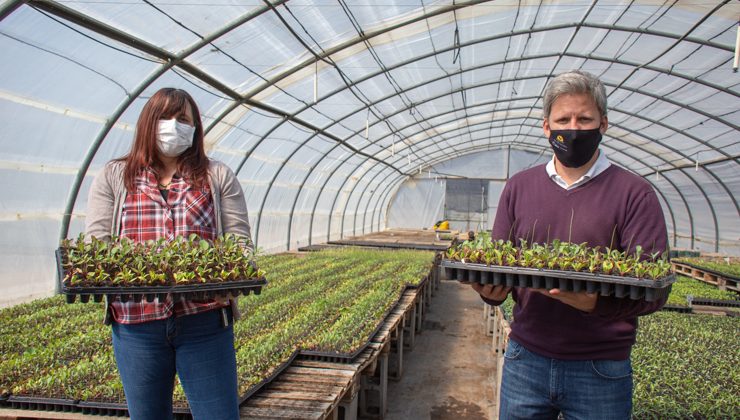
column 575, row 82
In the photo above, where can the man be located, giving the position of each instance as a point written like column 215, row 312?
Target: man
column 569, row 352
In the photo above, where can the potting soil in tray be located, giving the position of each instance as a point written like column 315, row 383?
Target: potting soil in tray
column 571, row 281
column 201, row 291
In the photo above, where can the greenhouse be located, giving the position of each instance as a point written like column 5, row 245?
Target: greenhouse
column 362, row 152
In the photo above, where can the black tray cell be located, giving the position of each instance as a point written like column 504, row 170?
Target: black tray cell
column 71, row 298
column 150, row 297
column 577, row 285
column 510, row 279
column 592, row 287
column 550, row 283
column 606, row 289
column 651, row 295
column 450, row 273
column 490, row 277
column 563, row 284
column 461, row 275
column 522, row 281
column 473, row 276
column 620, row 290
column 483, row 277
column 637, row 292
column 538, row 282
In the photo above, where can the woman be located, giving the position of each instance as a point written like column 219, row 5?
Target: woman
column 166, row 187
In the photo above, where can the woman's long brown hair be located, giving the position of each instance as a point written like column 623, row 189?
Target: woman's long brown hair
column 165, row 104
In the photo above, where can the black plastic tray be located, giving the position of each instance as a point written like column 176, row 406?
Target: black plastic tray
column 716, row 302
column 149, row 293
column 571, row 281
column 677, row 308
column 103, row 408
column 40, row 403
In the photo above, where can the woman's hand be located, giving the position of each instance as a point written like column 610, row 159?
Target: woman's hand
column 491, row 292
column 582, row 301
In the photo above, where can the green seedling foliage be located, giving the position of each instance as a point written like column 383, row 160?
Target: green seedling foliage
column 559, row 255
column 685, row 286
column 58, row 350
column 189, row 260
column 686, row 367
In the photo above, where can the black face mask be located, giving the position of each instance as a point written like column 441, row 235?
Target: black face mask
column 574, row 148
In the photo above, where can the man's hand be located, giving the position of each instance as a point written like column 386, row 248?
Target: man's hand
column 582, row 301
column 491, row 292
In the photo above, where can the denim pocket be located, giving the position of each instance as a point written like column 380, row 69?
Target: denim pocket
column 612, row 369
column 513, row 350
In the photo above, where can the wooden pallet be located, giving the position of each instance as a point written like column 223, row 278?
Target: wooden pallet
column 722, row 283
column 397, row 238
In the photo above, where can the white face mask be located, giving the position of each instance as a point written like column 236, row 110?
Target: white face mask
column 174, row 137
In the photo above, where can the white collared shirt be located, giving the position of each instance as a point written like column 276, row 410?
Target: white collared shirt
column 602, row 162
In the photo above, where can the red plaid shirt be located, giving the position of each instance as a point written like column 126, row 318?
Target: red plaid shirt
column 146, row 215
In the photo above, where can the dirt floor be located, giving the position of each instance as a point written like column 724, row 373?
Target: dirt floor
column 450, row 373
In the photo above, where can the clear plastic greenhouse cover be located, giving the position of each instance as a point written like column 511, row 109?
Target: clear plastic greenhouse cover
column 347, row 117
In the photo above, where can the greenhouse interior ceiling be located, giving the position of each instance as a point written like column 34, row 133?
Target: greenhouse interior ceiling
column 346, row 117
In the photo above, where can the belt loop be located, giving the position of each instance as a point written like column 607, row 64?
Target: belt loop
column 224, row 317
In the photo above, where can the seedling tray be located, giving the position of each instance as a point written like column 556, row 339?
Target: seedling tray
column 571, row 281
column 202, row 291
column 335, row 357
column 716, row 302
column 677, row 308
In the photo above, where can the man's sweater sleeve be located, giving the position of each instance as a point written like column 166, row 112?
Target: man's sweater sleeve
column 645, row 226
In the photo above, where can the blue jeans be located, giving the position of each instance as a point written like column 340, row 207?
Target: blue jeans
column 537, row 387
column 198, row 347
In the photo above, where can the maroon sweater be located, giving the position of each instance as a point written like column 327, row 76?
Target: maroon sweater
column 614, row 202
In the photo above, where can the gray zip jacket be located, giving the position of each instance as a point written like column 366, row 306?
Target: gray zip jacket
column 108, row 193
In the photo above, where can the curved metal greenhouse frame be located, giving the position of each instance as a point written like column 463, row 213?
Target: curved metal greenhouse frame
column 326, row 111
